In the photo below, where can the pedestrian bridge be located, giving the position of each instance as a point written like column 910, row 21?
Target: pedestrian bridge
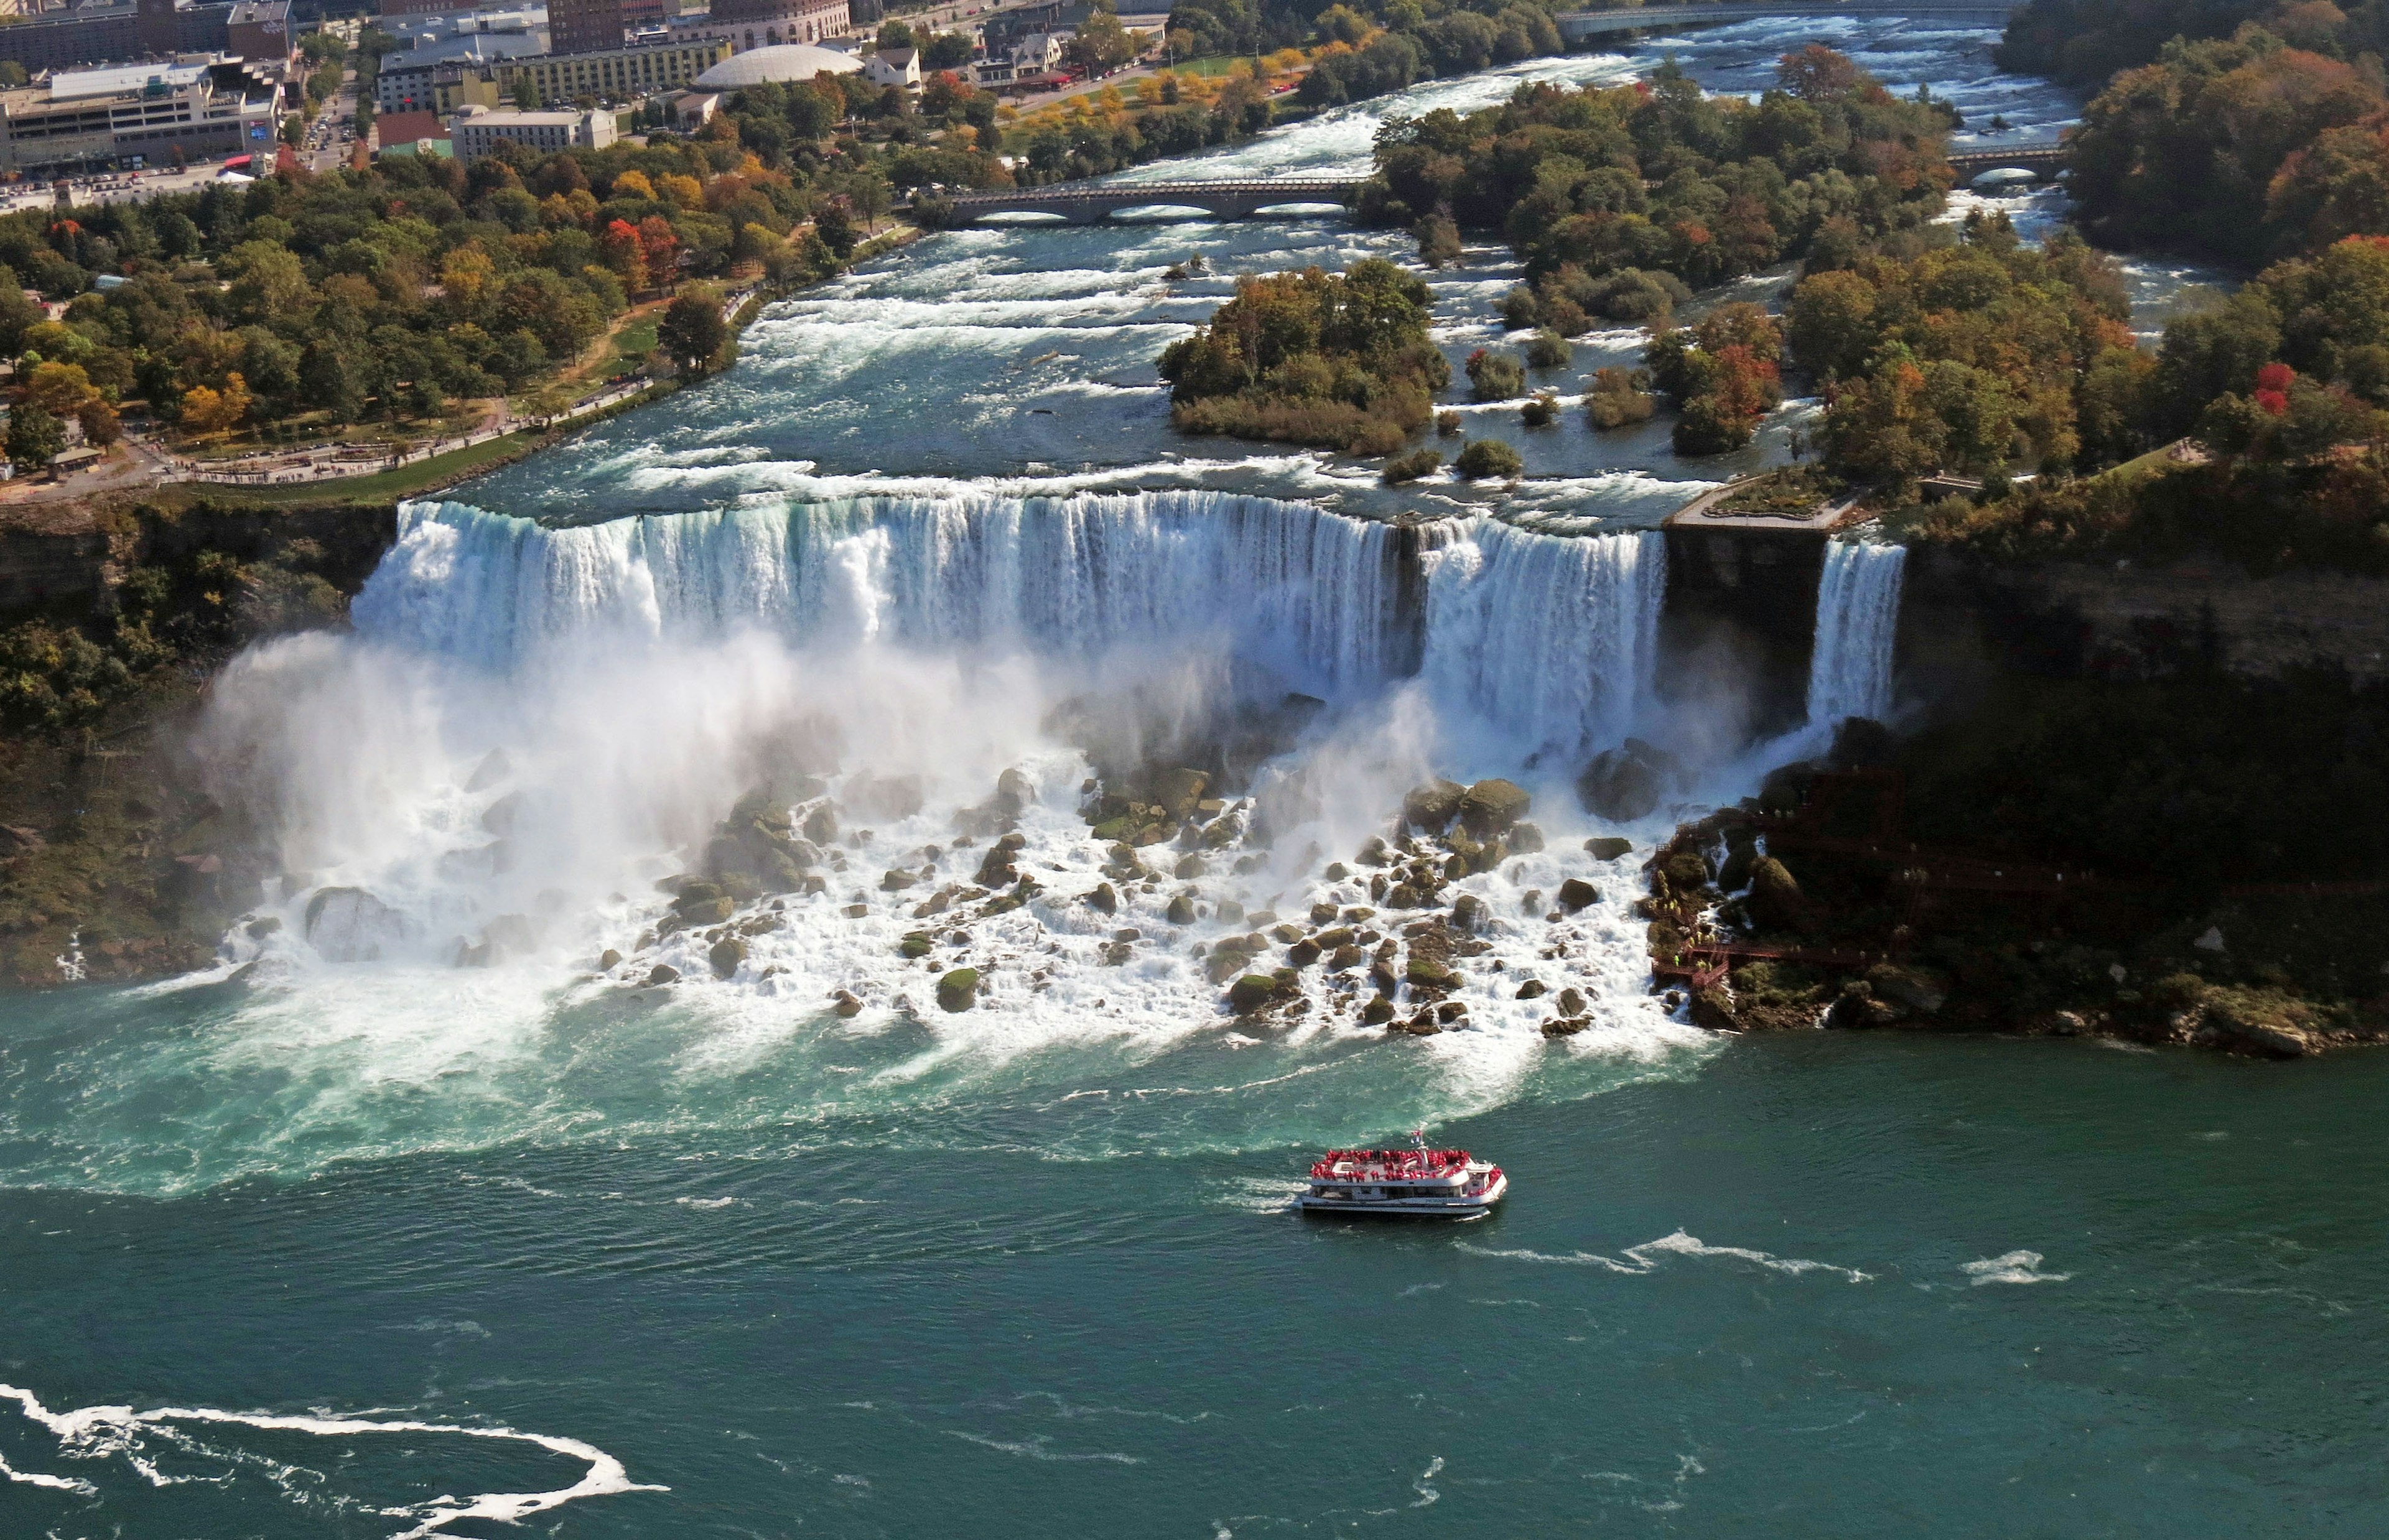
column 1576, row 26
column 1088, row 203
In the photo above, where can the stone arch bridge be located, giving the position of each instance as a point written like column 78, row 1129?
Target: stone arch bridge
column 1086, row 203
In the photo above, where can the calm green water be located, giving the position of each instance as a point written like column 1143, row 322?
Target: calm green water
column 1763, row 1286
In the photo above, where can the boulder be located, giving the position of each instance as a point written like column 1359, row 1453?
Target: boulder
column 510, row 935
column 1250, row 993
column 1913, row 988
column 1627, row 783
column 1565, row 1026
column 495, row 767
column 1571, row 1002
column 915, row 945
column 1104, row 899
column 1346, row 958
column 1302, row 954
column 845, row 1004
column 1180, row 910
column 821, row 824
column 1607, row 847
column 662, row 973
column 1378, row 1013
column 1424, row 1024
column 705, row 911
column 609, row 959
column 348, row 925
column 1403, row 896
column 958, row 991
column 1534, row 989
column 726, row 955
column 1577, row 894
column 1524, row 839
column 1776, row 902
column 1430, row 809
column 1786, row 787
column 1427, row 973
column 896, row 879
column 1178, row 790
column 1188, row 867
column 1014, row 794
column 1323, row 914
column 1489, row 808
column 1469, row 912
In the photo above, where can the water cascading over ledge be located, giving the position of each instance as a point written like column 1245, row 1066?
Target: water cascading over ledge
column 1858, row 624
column 1549, row 640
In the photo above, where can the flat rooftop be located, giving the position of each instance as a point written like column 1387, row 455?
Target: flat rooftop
column 119, row 79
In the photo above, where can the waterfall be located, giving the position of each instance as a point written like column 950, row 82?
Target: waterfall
column 1315, row 595
column 1858, row 620
column 1551, row 639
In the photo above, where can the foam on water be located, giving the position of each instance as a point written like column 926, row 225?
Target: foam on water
column 122, row 1432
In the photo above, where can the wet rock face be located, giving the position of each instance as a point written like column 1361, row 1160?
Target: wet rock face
column 1629, row 782
column 1488, row 809
column 1577, row 894
column 1429, row 810
column 348, row 925
column 1776, row 902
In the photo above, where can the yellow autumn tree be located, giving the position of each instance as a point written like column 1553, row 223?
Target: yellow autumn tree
column 207, row 411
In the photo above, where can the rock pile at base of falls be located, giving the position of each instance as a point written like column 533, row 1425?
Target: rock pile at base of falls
column 1629, row 782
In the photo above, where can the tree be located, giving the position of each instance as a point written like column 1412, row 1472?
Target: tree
column 946, row 51
column 330, row 384
column 1102, row 44
column 208, row 411
column 662, row 248
column 893, row 34
column 625, row 254
column 34, row 438
column 692, row 333
column 1817, row 73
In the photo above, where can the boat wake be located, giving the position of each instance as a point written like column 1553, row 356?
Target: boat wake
column 107, row 1433
column 1637, row 1261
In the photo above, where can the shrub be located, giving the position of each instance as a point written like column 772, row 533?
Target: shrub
column 1486, row 459
column 1447, row 424
column 1410, row 468
column 1549, row 350
column 1542, row 410
column 1617, row 400
column 1495, row 376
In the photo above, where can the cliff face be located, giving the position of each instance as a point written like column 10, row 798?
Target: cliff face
column 54, row 552
column 113, row 863
column 2073, row 620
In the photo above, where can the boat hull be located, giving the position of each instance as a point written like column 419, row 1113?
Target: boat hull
column 1473, row 1207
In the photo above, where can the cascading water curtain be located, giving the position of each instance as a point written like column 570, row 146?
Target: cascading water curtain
column 1857, row 622
column 1552, row 640
column 1315, row 595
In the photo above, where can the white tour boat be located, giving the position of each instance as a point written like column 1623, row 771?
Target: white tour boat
column 1438, row 1183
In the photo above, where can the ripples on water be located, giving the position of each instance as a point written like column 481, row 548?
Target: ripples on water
column 1029, row 1270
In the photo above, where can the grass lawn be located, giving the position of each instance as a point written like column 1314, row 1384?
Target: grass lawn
column 631, row 346
column 382, row 486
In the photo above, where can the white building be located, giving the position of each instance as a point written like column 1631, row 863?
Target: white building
column 898, row 66
column 476, row 135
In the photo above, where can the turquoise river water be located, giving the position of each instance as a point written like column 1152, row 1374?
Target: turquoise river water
column 342, row 1238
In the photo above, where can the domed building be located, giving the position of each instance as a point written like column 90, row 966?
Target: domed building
column 777, row 65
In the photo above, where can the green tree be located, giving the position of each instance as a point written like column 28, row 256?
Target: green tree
column 692, row 333
column 35, row 436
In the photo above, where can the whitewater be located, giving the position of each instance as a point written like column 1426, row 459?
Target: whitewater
column 475, row 1184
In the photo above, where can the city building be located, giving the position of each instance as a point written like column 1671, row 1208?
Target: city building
column 128, row 30
column 449, row 86
column 617, row 74
column 897, row 67
column 260, row 29
column 746, row 24
column 477, row 134
column 422, row 78
column 1005, row 28
column 586, row 26
column 97, row 118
